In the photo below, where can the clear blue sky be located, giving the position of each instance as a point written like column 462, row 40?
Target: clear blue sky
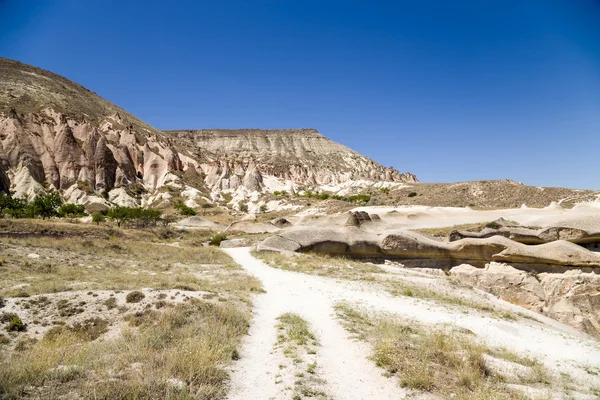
column 449, row 90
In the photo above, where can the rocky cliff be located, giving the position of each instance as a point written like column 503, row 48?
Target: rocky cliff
column 57, row 134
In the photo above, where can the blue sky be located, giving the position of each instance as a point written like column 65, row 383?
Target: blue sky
column 449, row 90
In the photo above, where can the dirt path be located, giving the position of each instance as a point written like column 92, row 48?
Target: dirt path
column 343, row 362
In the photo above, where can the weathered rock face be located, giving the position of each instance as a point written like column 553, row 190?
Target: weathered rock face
column 572, row 297
column 230, row 158
column 49, row 146
column 56, row 131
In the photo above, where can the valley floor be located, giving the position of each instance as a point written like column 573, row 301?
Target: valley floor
column 344, row 366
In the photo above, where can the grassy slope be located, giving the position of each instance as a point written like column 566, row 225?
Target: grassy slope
column 165, row 349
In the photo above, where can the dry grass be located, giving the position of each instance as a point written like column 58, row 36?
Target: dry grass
column 73, row 263
column 320, row 264
column 294, row 328
column 180, row 353
column 299, row 344
column 438, row 360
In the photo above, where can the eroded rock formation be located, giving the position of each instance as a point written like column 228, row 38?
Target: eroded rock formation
column 572, row 297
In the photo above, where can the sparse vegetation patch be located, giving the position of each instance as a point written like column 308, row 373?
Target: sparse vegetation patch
column 442, row 360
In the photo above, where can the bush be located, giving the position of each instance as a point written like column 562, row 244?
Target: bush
column 207, row 205
column 359, row 198
column 264, row 208
column 280, row 193
column 217, row 239
column 243, row 207
column 385, row 190
column 493, row 225
column 110, row 303
column 412, row 194
column 185, row 210
column 134, row 297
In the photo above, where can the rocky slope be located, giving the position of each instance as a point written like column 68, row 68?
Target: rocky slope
column 57, row 134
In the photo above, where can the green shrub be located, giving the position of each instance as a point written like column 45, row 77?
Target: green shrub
column 185, row 210
column 217, row 239
column 412, row 194
column 493, row 225
column 385, row 190
column 16, row 324
column 359, row 198
column 134, row 297
column 264, row 208
column 207, row 205
column 243, row 207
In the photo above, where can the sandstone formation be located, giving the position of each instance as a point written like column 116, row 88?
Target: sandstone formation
column 572, row 297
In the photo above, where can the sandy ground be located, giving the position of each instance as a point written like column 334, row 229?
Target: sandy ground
column 343, row 362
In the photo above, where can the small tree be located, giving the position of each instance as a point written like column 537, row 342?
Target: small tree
column 15, row 207
column 47, row 206
column 70, row 210
column 5, row 202
column 243, row 207
column 98, row 218
column 264, row 208
column 119, row 214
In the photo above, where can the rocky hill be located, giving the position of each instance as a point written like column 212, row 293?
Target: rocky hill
column 57, row 134
column 230, row 158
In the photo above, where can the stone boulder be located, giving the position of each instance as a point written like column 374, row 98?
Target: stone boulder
column 508, row 283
